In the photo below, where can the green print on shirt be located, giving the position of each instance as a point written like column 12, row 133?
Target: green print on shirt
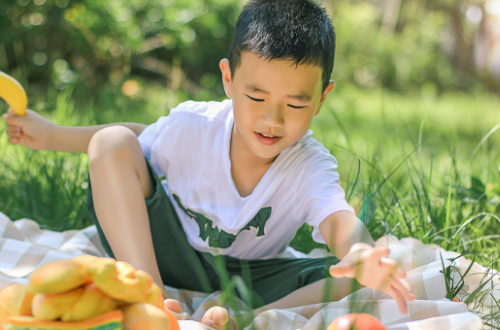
column 219, row 238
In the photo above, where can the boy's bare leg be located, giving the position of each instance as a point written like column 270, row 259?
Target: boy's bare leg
column 120, row 183
column 325, row 290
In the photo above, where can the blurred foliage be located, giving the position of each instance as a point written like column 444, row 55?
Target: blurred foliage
column 406, row 60
column 99, row 42
column 105, row 47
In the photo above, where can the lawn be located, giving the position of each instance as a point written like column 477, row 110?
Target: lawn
column 422, row 165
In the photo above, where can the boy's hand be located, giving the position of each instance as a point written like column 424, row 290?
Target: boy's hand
column 31, row 130
column 216, row 317
column 371, row 267
column 174, row 306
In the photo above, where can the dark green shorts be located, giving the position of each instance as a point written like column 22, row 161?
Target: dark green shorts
column 183, row 267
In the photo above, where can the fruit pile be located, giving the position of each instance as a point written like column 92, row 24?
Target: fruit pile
column 85, row 292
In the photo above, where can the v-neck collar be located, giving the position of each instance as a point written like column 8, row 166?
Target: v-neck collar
column 227, row 161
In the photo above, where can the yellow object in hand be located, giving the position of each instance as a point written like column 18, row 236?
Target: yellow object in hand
column 13, row 93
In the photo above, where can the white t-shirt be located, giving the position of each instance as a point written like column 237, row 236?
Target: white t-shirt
column 190, row 147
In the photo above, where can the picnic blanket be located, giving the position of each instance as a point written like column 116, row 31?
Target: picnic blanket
column 24, row 246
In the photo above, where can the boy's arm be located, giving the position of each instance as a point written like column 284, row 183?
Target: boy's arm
column 36, row 132
column 341, row 230
column 349, row 240
column 76, row 139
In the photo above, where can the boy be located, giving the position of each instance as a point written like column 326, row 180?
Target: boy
column 241, row 175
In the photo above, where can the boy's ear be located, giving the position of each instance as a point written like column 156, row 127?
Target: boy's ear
column 226, row 76
column 329, row 88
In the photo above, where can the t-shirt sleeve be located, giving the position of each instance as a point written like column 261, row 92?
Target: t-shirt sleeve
column 161, row 141
column 320, row 194
column 149, row 137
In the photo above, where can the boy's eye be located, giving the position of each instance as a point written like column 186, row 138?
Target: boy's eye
column 259, row 100
column 254, row 99
column 295, row 107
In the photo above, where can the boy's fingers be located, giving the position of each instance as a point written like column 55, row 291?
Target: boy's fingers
column 400, row 273
column 11, row 112
column 13, row 128
column 403, row 287
column 181, row 316
column 381, row 252
column 389, row 266
column 216, row 315
column 396, row 295
column 174, row 306
column 341, row 271
column 208, row 322
column 12, row 119
column 336, row 271
column 14, row 133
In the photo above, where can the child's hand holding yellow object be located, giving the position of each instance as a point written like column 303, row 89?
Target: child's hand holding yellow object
column 31, row 130
column 25, row 127
column 13, row 93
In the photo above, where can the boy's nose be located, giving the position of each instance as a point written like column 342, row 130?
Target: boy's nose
column 273, row 116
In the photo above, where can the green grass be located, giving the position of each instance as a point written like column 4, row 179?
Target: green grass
column 413, row 166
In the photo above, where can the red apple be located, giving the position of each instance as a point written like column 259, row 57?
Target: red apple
column 356, row 321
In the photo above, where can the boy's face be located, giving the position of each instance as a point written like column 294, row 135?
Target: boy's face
column 274, row 102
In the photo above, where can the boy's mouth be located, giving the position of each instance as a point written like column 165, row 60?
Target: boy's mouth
column 266, row 139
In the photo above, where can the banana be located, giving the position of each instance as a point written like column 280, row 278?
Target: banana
column 13, row 93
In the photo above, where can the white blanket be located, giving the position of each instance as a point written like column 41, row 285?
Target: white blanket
column 24, row 247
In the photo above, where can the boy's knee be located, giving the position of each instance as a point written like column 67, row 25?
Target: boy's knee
column 114, row 142
column 118, row 146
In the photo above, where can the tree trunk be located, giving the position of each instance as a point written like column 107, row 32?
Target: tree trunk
column 391, row 15
column 462, row 55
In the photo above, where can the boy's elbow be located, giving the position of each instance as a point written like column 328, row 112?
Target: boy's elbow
column 135, row 127
column 141, row 128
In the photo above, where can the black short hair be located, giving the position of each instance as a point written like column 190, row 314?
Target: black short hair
column 296, row 30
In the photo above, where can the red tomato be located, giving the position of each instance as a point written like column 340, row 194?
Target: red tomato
column 356, row 321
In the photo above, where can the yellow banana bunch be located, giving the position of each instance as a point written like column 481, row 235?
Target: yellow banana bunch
column 13, row 93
